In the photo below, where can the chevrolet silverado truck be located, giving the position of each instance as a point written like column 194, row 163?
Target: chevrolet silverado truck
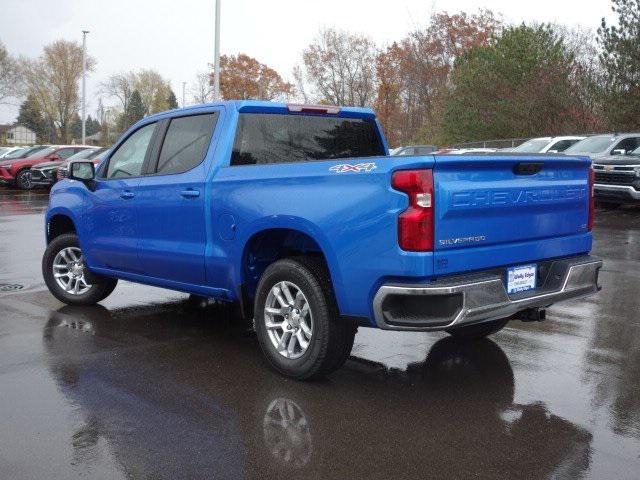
column 617, row 179
column 298, row 214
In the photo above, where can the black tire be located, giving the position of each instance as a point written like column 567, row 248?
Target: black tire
column 23, row 179
column 607, row 205
column 332, row 337
column 479, row 330
column 99, row 289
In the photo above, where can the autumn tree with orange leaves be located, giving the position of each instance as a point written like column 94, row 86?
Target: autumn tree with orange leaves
column 243, row 77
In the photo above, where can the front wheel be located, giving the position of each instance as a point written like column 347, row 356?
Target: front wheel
column 65, row 274
column 297, row 321
column 23, row 179
column 479, row 330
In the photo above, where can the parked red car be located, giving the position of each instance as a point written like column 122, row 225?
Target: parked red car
column 17, row 171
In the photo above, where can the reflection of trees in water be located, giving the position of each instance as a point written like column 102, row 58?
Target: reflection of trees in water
column 452, row 414
column 613, row 360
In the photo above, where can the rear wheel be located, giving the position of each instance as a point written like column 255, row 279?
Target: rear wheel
column 607, row 205
column 64, row 272
column 297, row 321
column 479, row 330
column 23, row 179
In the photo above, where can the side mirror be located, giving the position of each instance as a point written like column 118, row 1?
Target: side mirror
column 619, row 151
column 84, row 172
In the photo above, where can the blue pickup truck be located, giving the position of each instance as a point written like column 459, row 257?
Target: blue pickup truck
column 298, row 214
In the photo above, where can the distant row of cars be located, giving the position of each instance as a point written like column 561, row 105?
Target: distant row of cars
column 43, row 165
column 615, row 156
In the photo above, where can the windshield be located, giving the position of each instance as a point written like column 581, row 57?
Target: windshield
column 534, row 145
column 596, row 144
column 41, row 153
column 84, row 154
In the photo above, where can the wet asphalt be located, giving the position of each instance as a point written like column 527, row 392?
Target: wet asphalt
column 147, row 386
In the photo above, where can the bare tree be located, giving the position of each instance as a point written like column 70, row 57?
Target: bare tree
column 9, row 84
column 298, row 76
column 342, row 68
column 120, row 86
column 201, row 89
column 53, row 80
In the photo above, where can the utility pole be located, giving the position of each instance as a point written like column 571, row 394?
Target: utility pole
column 183, row 97
column 216, row 58
column 84, row 85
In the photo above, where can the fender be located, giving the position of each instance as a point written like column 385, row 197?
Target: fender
column 292, row 223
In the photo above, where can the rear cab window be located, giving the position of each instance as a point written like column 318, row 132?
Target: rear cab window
column 265, row 138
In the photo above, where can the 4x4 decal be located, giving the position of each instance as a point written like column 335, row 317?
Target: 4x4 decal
column 349, row 167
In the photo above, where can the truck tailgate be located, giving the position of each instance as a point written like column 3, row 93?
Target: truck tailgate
column 497, row 209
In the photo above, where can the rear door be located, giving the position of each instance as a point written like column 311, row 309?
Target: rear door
column 171, row 206
column 493, row 210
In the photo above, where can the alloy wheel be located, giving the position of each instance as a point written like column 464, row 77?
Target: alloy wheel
column 288, row 319
column 68, row 271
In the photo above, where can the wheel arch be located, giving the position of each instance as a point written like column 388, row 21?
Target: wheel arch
column 266, row 245
column 59, row 223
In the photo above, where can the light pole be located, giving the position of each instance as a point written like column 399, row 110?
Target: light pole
column 216, row 58
column 84, row 84
column 183, row 97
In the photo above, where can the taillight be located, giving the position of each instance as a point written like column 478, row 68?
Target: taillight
column 415, row 224
column 592, row 181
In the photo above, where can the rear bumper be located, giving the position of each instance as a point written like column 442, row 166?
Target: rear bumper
column 617, row 192
column 479, row 297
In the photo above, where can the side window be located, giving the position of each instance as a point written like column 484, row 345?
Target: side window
column 186, row 143
column 127, row 161
column 407, row 151
column 628, row 144
column 562, row 145
column 65, row 152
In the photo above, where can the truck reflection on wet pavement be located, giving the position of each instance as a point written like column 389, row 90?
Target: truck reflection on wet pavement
column 147, row 385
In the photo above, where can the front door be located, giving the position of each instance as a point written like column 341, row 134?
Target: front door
column 172, row 202
column 112, row 219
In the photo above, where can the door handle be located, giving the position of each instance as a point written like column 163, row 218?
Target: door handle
column 190, row 193
column 127, row 195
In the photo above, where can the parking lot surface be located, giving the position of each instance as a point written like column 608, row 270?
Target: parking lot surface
column 147, row 386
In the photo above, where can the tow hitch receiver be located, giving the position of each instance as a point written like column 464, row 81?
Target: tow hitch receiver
column 532, row 315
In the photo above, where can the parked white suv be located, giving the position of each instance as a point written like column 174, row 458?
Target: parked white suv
column 546, row 144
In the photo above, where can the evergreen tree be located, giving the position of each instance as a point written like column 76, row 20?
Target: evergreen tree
column 172, row 102
column 76, row 127
column 30, row 115
column 517, row 87
column 621, row 62
column 135, row 111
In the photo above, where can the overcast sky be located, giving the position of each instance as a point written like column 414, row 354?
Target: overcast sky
column 176, row 37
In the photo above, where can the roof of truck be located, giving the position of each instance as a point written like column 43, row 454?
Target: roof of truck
column 263, row 106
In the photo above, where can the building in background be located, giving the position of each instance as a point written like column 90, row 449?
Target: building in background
column 16, row 135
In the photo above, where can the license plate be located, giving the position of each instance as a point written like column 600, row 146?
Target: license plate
column 521, row 278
